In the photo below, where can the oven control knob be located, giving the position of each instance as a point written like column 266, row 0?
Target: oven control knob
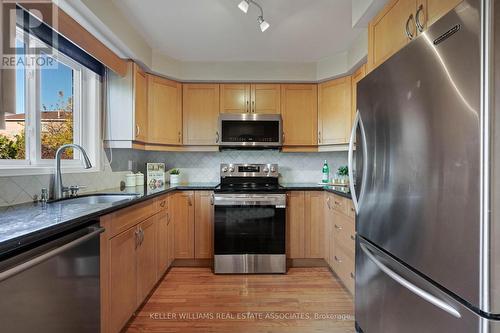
column 273, row 169
column 266, row 170
column 231, row 169
column 224, row 169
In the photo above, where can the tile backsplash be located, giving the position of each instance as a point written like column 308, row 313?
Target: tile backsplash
column 204, row 166
column 195, row 167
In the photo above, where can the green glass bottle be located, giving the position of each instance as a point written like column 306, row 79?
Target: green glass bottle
column 326, row 173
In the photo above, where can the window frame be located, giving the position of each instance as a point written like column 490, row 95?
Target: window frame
column 87, row 96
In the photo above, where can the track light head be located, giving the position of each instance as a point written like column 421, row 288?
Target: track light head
column 263, row 24
column 244, row 6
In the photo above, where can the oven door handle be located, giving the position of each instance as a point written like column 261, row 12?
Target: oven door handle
column 254, row 201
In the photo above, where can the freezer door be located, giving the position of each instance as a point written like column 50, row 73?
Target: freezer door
column 390, row 298
column 420, row 114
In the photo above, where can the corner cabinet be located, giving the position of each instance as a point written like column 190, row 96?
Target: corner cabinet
column 126, row 117
column 334, row 111
column 299, row 109
column 200, row 110
column 164, row 111
column 250, row 98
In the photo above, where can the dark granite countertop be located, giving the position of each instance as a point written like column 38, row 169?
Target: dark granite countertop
column 22, row 225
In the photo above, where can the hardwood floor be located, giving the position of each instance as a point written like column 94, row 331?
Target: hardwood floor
column 195, row 300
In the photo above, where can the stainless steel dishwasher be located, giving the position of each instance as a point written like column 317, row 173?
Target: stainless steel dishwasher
column 53, row 287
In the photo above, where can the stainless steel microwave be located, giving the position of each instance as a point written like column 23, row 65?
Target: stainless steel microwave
column 247, row 131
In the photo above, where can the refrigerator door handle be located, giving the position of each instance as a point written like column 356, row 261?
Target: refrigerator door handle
column 410, row 286
column 350, row 158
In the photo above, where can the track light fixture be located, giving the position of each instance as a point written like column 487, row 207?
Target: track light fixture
column 245, row 4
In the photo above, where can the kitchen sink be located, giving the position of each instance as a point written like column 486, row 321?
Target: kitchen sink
column 99, row 199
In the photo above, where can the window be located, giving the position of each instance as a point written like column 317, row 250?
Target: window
column 50, row 97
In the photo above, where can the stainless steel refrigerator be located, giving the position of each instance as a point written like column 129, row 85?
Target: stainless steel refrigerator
column 427, row 168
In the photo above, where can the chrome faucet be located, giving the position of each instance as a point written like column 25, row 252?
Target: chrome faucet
column 59, row 189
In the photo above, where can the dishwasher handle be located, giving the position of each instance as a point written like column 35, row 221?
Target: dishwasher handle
column 94, row 232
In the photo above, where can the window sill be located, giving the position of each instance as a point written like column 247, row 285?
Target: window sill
column 11, row 171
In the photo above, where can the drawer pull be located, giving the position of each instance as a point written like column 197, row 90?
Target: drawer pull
column 337, row 259
column 337, row 203
column 352, row 237
column 352, row 276
column 162, row 204
column 337, row 227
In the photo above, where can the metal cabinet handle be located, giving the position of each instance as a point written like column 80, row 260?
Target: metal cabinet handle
column 46, row 256
column 420, row 26
column 179, row 137
column 212, row 199
column 253, row 106
column 353, row 238
column 142, row 235
column 217, row 137
column 407, row 28
column 137, row 238
column 248, row 106
column 337, row 227
column 410, row 286
column 319, row 136
column 337, row 259
column 328, row 203
column 162, row 204
column 352, row 275
column 190, row 202
column 137, row 130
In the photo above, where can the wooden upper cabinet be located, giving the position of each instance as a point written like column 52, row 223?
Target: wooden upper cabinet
column 334, row 111
column 165, row 111
column 265, row 98
column 140, row 83
column 359, row 74
column 200, row 114
column 299, row 109
column 203, row 225
column 234, row 98
column 429, row 11
column 183, row 217
column 387, row 31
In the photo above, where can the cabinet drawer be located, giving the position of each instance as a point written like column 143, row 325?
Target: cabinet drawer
column 161, row 203
column 339, row 204
column 344, row 234
column 344, row 268
column 128, row 217
column 350, row 210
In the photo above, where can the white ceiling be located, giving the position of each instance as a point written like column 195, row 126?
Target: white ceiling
column 217, row 31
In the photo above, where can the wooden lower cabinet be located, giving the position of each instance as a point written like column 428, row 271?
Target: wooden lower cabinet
column 203, row 225
column 122, row 280
column 295, row 219
column 314, row 225
column 146, row 258
column 183, row 217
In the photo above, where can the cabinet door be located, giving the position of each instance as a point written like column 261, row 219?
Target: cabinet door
column 146, row 258
column 162, row 242
column 203, row 225
column 387, row 31
column 266, row 98
column 123, row 278
column 140, row 104
column 299, row 108
column 200, row 109
column 183, row 217
column 329, row 229
column 165, row 111
column 433, row 10
column 334, row 111
column 356, row 77
column 314, row 225
column 295, row 225
column 234, row 98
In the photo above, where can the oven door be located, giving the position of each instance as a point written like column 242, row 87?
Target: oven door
column 249, row 234
column 250, row 131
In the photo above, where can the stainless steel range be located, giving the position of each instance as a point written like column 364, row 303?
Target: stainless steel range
column 249, row 224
